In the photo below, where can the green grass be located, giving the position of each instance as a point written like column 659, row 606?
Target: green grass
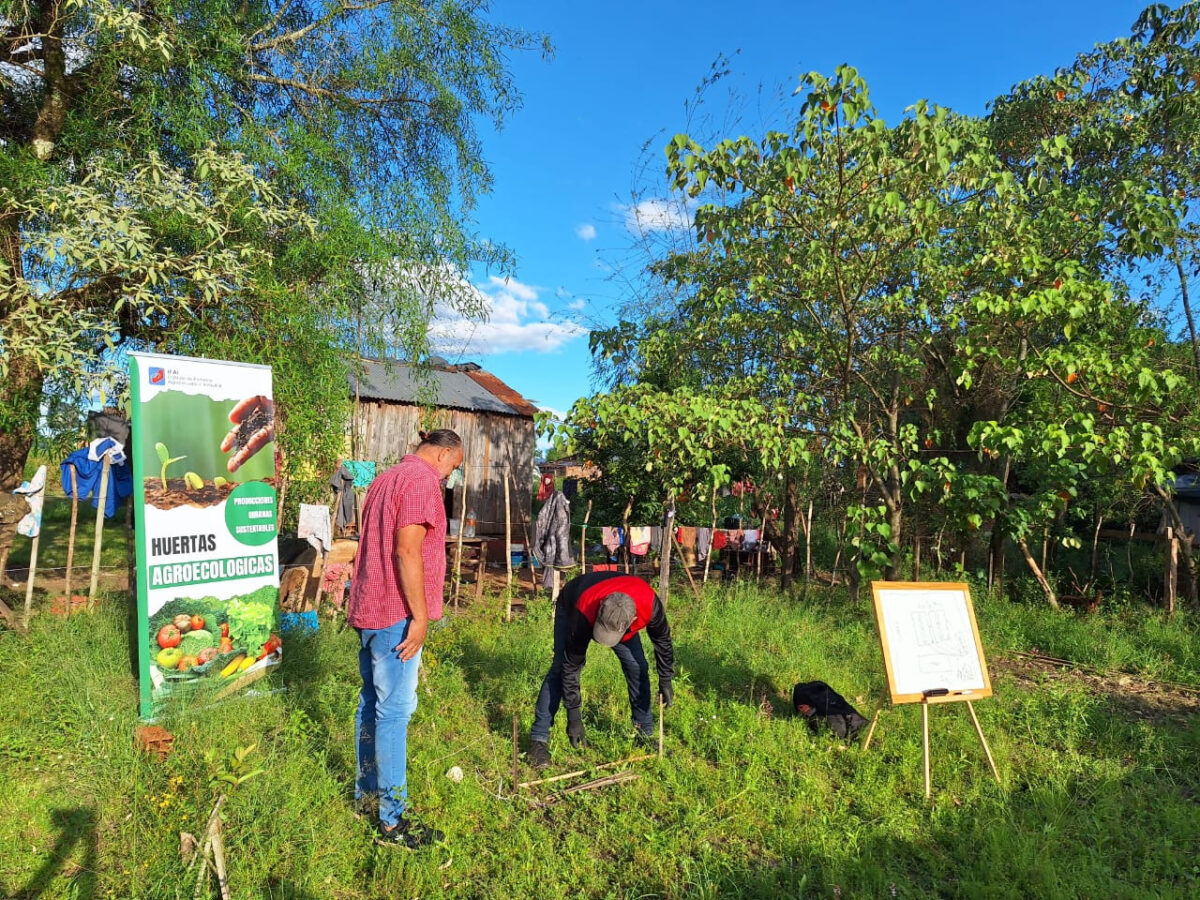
column 748, row 803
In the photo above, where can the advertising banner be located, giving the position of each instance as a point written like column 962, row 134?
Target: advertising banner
column 203, row 449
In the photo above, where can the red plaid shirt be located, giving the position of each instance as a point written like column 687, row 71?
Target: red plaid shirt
column 409, row 493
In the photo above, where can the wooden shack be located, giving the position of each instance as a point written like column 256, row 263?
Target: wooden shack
column 394, row 401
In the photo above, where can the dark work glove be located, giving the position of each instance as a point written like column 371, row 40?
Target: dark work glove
column 666, row 691
column 575, row 727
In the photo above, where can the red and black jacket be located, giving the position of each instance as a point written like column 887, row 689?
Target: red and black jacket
column 581, row 598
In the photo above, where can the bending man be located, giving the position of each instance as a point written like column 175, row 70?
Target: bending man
column 610, row 609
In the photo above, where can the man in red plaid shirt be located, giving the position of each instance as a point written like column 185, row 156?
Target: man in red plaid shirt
column 399, row 576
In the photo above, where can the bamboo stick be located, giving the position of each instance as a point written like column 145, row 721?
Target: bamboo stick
column 708, row 558
column 462, row 524
column 683, row 562
column 528, row 545
column 982, row 740
column 625, row 525
column 71, row 535
column 516, row 771
column 610, row 765
column 508, row 540
column 661, row 708
column 33, row 555
column 925, row 744
column 583, row 540
column 607, row 781
column 103, row 498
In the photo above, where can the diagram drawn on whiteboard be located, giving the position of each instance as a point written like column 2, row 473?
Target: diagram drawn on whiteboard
column 930, row 640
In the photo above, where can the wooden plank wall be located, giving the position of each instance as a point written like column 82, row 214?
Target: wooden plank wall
column 492, row 445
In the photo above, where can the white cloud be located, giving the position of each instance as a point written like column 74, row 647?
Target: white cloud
column 586, row 232
column 517, row 320
column 657, row 214
column 577, row 305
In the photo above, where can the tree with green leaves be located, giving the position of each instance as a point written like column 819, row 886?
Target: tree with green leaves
column 177, row 175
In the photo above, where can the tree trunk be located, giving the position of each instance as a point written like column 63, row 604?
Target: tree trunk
column 1037, row 572
column 20, row 396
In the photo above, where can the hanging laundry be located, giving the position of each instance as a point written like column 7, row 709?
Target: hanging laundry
column 342, row 483
column 720, row 539
column 552, row 532
column 686, row 536
column 87, row 476
column 611, row 539
column 750, row 539
column 362, row 470
column 639, row 540
column 106, row 445
column 571, row 488
column 35, row 494
column 315, row 526
column 545, row 488
column 334, row 580
column 704, row 538
column 656, row 538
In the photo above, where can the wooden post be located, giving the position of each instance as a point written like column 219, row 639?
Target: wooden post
column 71, row 535
column 762, row 540
column 982, row 740
column 33, row 555
column 664, row 564
column 917, row 558
column 683, row 562
column 516, row 770
column 583, row 540
column 925, row 744
column 507, row 552
column 99, row 533
column 871, row 730
column 1172, row 569
column 711, row 551
column 462, row 524
column 625, row 526
column 528, row 547
column 661, row 707
column 808, row 563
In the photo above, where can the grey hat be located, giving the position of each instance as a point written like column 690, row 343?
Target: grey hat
column 613, row 619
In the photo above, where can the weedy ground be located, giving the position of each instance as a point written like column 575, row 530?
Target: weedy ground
column 1099, row 795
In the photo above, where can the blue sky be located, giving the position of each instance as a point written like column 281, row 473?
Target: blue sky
column 566, row 164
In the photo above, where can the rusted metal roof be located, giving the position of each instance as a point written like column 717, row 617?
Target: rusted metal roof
column 446, row 387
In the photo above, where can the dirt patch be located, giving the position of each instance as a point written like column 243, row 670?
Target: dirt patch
column 1155, row 702
column 178, row 493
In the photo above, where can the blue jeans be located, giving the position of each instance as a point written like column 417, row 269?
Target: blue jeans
column 632, row 657
column 385, row 704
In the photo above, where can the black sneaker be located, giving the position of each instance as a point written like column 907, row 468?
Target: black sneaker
column 409, row 834
column 539, row 754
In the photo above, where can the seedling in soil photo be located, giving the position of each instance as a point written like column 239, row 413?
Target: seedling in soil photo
column 164, row 457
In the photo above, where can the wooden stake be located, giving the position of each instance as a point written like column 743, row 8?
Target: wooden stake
column 33, row 555
column 712, row 535
column 661, row 707
column 462, row 524
column 71, row 535
column 218, row 849
column 982, row 740
column 625, row 525
column 925, row 744
column 683, row 562
column 103, row 498
column 528, row 545
column 871, row 729
column 1172, row 569
column 610, row 765
column 608, row 780
column 583, row 540
column 508, row 542
column 515, row 753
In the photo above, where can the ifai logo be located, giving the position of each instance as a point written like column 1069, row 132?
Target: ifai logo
column 158, row 376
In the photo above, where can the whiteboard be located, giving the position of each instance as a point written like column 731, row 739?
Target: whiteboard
column 930, row 641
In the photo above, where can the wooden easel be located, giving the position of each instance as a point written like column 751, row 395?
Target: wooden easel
column 939, row 695
column 926, row 627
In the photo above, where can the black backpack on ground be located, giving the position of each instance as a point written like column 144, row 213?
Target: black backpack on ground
column 821, row 704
